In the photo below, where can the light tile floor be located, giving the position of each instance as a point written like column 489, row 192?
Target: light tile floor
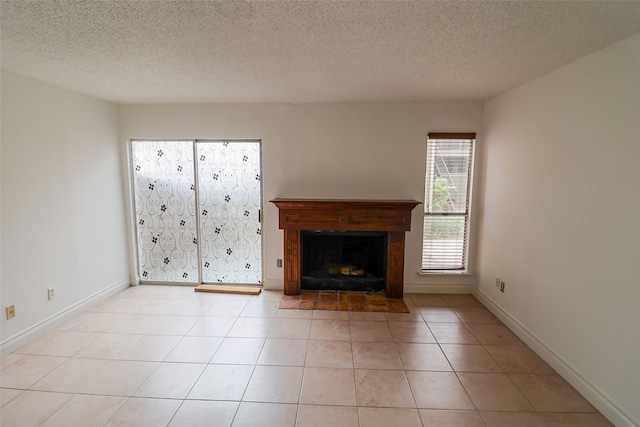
column 168, row 356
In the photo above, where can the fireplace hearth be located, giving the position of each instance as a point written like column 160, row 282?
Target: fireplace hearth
column 384, row 221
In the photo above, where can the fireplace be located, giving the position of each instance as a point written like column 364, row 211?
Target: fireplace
column 343, row 260
column 381, row 223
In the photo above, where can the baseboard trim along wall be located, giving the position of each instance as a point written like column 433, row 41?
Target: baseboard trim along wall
column 25, row 337
column 598, row 399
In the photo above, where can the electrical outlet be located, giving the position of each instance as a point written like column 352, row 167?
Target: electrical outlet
column 279, row 263
column 51, row 292
column 11, row 312
column 501, row 286
column 498, row 282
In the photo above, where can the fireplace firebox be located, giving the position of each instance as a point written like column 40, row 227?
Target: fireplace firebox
column 303, row 219
column 343, row 260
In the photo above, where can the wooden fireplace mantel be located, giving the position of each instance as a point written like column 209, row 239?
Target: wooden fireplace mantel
column 390, row 216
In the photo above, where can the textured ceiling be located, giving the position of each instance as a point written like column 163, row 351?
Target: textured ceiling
column 303, row 51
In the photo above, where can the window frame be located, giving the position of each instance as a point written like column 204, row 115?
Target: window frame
column 454, row 266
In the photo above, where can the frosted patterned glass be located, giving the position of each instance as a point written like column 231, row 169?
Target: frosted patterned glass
column 230, row 201
column 165, row 210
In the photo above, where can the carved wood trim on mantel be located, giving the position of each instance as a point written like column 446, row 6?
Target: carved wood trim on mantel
column 390, row 216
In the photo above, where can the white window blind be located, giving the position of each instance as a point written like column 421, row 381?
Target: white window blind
column 449, row 171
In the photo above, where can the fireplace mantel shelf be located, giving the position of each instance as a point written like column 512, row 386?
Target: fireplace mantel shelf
column 390, row 216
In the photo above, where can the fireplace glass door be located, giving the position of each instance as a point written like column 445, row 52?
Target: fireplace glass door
column 198, row 211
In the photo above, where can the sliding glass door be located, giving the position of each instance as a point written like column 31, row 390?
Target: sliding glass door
column 165, row 209
column 229, row 207
column 198, row 211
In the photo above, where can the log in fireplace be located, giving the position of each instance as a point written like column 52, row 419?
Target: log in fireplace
column 344, row 219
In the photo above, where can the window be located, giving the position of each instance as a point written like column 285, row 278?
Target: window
column 447, row 200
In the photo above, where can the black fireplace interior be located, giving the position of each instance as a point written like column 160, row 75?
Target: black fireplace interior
column 343, row 260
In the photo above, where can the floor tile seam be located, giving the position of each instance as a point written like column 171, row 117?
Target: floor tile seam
column 113, row 362
column 114, row 359
column 9, row 401
column 12, row 363
column 120, row 406
column 464, row 371
column 200, row 399
column 328, row 405
column 60, row 408
column 110, row 361
column 83, row 392
column 122, row 312
column 156, row 369
column 466, row 392
column 42, row 354
column 301, row 389
column 434, row 335
column 118, row 358
column 355, row 407
column 238, row 364
column 327, row 366
column 541, row 411
column 483, row 415
column 484, row 346
column 140, row 336
column 125, row 398
column 13, row 388
column 395, row 348
column 220, row 400
column 389, row 407
column 517, row 388
column 408, row 383
column 253, row 370
column 207, row 314
column 158, row 334
column 306, row 356
column 51, row 391
column 519, row 373
column 175, row 413
column 355, row 387
column 192, row 385
column 404, row 371
column 44, row 375
column 255, row 316
column 452, row 410
column 134, row 397
column 235, row 414
column 226, row 334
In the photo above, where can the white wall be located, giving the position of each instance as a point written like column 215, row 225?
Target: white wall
column 63, row 216
column 322, row 151
column 561, row 221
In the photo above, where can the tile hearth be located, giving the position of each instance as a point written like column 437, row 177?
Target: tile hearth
column 344, row 301
column 169, row 356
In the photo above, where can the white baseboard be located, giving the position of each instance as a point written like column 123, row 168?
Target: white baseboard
column 590, row 392
column 25, row 337
column 422, row 288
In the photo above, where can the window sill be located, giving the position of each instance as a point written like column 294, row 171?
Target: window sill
column 444, row 273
